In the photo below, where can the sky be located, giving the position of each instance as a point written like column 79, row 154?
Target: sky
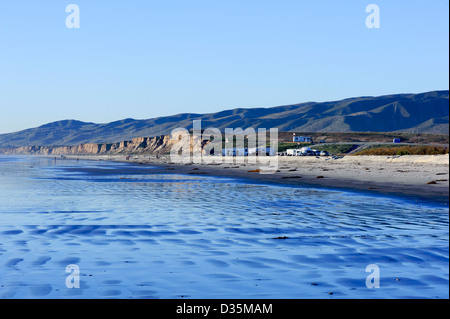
column 144, row 58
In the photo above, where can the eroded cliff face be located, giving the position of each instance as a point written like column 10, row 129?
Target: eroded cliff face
column 140, row 145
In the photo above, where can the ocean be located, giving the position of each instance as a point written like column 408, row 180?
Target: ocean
column 96, row 229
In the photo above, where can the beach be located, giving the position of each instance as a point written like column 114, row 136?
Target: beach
column 419, row 176
column 179, row 232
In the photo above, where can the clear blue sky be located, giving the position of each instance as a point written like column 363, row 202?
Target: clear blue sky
column 145, row 58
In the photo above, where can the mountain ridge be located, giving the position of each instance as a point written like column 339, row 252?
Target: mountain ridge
column 420, row 113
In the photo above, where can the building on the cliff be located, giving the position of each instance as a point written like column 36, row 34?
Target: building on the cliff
column 302, row 139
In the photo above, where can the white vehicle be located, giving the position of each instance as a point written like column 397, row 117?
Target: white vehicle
column 294, row 152
column 305, row 151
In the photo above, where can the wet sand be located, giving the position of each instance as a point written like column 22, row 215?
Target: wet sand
column 136, row 234
column 422, row 177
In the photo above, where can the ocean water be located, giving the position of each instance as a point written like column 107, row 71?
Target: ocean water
column 133, row 233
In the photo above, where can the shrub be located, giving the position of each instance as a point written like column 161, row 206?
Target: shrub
column 405, row 150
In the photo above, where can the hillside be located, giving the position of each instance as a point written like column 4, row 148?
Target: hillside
column 417, row 113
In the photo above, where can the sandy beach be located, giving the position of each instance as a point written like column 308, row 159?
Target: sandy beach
column 422, row 177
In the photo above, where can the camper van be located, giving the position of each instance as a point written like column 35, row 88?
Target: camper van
column 293, row 152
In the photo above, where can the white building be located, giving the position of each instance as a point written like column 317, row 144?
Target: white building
column 302, row 139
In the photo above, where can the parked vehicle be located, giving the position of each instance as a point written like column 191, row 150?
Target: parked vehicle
column 307, row 153
column 293, row 152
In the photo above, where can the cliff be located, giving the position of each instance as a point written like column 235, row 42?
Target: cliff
column 139, row 145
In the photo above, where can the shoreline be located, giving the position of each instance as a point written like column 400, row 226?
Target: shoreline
column 136, row 234
column 420, row 177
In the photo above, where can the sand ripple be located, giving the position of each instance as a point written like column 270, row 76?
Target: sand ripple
column 135, row 234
